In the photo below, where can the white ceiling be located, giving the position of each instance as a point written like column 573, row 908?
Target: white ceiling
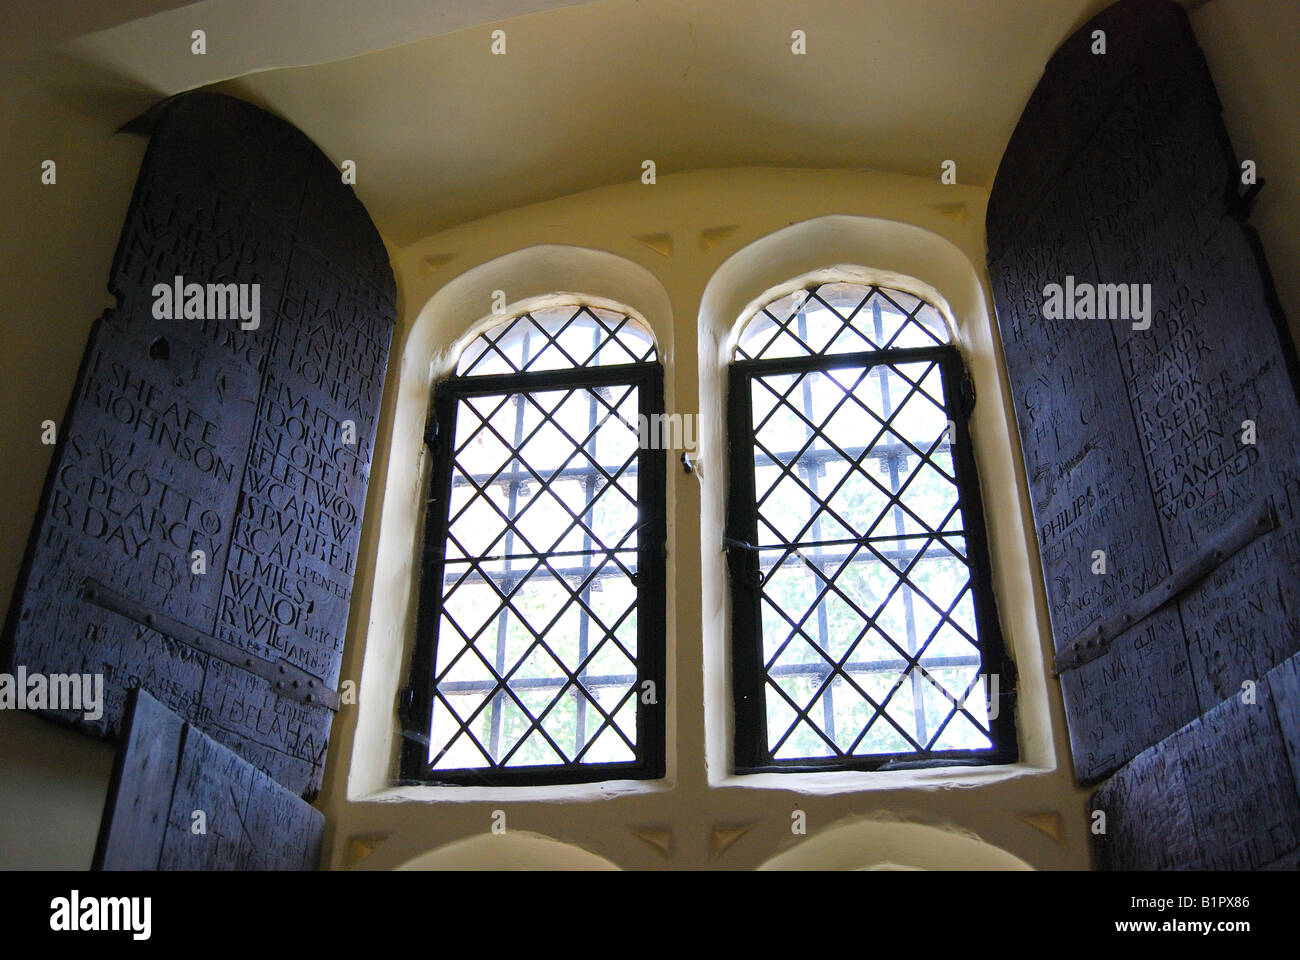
column 443, row 131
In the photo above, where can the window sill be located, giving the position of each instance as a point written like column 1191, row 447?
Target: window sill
column 880, row 781
column 553, row 793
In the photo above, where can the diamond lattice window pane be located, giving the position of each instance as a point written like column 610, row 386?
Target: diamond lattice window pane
column 866, row 617
column 556, row 338
column 536, row 656
column 842, row 317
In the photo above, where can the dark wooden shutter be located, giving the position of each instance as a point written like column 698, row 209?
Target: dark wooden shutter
column 1120, row 171
column 195, row 434
column 1220, row 794
column 181, row 801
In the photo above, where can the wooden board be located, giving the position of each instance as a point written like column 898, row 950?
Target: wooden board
column 1120, row 171
column 1222, row 793
column 181, row 801
column 196, row 434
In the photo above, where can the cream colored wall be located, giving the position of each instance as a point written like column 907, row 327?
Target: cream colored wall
column 55, row 250
column 1250, row 47
column 696, row 222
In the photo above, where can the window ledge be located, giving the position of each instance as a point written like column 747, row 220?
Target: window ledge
column 869, row 781
column 555, row 793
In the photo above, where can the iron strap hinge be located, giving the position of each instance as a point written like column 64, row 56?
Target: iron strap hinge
column 1242, row 202
column 287, row 679
column 1096, row 639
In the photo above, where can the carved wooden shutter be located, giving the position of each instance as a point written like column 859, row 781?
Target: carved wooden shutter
column 252, row 446
column 181, row 801
column 1135, row 440
column 1219, row 794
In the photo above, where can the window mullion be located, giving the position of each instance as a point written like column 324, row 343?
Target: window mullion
column 900, row 527
column 589, row 511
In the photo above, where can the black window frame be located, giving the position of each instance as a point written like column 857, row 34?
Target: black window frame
column 416, row 703
column 749, row 676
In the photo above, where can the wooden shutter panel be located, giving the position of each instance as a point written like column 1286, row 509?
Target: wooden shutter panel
column 1220, row 794
column 1120, row 171
column 181, row 801
column 196, row 434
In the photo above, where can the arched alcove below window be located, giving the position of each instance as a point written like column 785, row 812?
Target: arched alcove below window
column 868, row 844
column 516, row 850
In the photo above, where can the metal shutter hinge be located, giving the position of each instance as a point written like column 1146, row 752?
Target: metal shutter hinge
column 1095, row 641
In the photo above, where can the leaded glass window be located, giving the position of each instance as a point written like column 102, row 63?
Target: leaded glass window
column 864, row 630
column 540, row 649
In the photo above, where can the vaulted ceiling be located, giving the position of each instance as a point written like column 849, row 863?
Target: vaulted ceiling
column 443, row 131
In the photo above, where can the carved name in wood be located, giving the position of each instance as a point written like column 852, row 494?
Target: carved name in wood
column 1219, row 794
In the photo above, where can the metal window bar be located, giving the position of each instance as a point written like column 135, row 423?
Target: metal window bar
column 918, row 693
column 545, row 419
column 602, row 336
column 812, row 472
column 917, row 316
column 807, row 467
column 588, row 488
column 508, row 684
column 507, row 580
column 829, row 585
column 886, row 425
column 843, row 665
column 580, row 571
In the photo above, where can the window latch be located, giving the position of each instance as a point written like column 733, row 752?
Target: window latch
column 966, row 387
column 744, row 564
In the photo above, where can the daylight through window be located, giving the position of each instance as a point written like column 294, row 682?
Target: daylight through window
column 540, row 656
column 864, row 634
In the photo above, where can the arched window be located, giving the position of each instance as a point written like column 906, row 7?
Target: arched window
column 539, row 656
column 864, row 629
